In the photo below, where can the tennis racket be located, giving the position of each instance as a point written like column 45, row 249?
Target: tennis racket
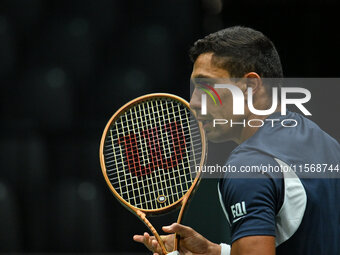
column 150, row 153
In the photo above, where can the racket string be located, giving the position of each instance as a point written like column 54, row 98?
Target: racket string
column 185, row 128
column 114, row 148
column 122, row 158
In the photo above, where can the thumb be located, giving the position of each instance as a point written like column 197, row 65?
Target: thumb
column 180, row 229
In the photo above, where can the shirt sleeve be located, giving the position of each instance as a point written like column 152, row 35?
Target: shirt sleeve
column 253, row 202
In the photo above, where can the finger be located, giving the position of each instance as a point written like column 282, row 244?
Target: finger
column 152, row 238
column 154, row 244
column 179, row 229
column 147, row 240
column 156, row 247
column 138, row 238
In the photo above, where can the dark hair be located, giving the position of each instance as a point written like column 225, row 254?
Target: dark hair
column 240, row 50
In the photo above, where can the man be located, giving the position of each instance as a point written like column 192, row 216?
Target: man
column 272, row 213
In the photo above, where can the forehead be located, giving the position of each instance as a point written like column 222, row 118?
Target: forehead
column 204, row 67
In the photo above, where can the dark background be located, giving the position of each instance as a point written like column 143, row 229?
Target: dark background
column 65, row 68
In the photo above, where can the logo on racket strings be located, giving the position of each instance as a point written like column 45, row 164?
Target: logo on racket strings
column 160, row 147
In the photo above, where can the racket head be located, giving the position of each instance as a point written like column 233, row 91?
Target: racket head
column 146, row 143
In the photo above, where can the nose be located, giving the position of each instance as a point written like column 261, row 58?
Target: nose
column 195, row 101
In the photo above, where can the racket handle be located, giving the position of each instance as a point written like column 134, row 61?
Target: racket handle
column 173, row 253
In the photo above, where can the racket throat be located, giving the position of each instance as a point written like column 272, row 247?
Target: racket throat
column 142, row 216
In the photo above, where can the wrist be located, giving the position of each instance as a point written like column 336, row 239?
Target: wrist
column 225, row 249
column 214, row 249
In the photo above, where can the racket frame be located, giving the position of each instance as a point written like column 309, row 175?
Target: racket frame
column 143, row 213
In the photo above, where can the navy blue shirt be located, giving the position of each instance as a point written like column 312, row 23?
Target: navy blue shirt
column 301, row 209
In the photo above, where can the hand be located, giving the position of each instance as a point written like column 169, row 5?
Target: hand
column 191, row 242
column 151, row 242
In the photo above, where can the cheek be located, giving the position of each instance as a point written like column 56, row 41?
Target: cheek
column 226, row 109
column 225, row 96
column 228, row 104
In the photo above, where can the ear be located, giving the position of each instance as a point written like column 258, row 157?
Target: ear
column 254, row 81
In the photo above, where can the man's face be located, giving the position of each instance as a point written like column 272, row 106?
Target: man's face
column 204, row 68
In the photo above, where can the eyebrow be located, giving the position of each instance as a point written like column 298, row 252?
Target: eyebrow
column 202, row 76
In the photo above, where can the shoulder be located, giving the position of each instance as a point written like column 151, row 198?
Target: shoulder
column 257, row 177
column 250, row 163
column 251, row 199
